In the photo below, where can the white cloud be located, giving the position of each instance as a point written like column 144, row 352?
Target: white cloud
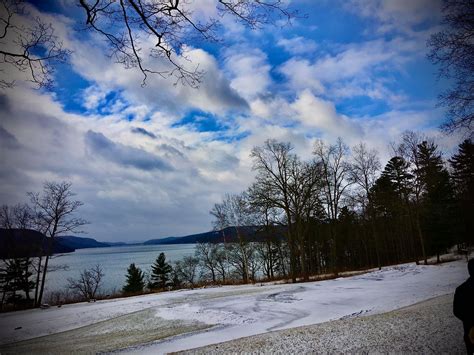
column 133, row 186
column 125, row 178
column 301, row 74
column 354, row 70
column 249, row 71
column 321, row 115
column 214, row 93
column 397, row 16
column 272, row 108
column 297, row 45
column 93, row 96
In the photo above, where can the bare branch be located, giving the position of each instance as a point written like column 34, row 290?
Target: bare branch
column 453, row 50
column 172, row 25
column 29, row 45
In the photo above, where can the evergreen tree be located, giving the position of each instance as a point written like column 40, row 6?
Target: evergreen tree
column 15, row 280
column 135, row 281
column 393, row 209
column 160, row 272
column 437, row 198
column 384, row 197
column 462, row 165
column 397, row 172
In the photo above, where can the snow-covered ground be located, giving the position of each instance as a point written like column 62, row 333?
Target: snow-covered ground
column 239, row 311
column 428, row 327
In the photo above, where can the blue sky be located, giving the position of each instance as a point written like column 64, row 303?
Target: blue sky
column 151, row 161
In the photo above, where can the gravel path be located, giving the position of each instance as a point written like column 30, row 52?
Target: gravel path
column 428, row 327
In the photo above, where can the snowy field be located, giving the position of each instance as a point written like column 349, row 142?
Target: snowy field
column 192, row 318
column 428, row 327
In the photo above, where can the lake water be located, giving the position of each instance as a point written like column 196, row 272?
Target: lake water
column 114, row 262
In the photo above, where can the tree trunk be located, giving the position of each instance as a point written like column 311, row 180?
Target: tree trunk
column 291, row 244
column 334, row 248
column 245, row 271
column 376, row 241
column 38, row 275
column 420, row 236
column 43, row 280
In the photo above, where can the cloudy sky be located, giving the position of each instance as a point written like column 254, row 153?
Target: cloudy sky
column 151, row 161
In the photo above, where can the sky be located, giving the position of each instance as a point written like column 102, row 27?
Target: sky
column 151, row 161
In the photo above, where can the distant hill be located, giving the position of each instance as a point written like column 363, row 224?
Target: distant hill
column 249, row 233
column 15, row 243
column 28, row 242
column 80, row 242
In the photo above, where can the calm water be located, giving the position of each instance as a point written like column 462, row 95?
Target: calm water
column 114, row 262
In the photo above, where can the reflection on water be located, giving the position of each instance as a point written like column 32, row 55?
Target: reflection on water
column 114, row 262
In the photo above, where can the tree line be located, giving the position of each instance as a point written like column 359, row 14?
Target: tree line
column 342, row 211
column 338, row 211
column 212, row 263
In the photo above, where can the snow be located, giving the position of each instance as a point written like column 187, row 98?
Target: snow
column 428, row 327
column 239, row 311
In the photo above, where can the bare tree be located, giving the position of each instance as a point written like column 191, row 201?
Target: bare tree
column 453, row 49
column 364, row 171
column 272, row 162
column 27, row 45
column 408, row 149
column 187, row 269
column 239, row 259
column 55, row 210
column 88, row 282
column 267, row 218
column 207, row 254
column 285, row 182
column 19, row 216
column 335, row 175
column 234, row 211
column 222, row 264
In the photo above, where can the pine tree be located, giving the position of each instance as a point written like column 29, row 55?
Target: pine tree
column 397, row 172
column 462, row 165
column 135, row 281
column 15, row 280
column 160, row 272
column 437, row 197
column 384, row 197
column 391, row 199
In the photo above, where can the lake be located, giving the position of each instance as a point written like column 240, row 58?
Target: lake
column 114, row 262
